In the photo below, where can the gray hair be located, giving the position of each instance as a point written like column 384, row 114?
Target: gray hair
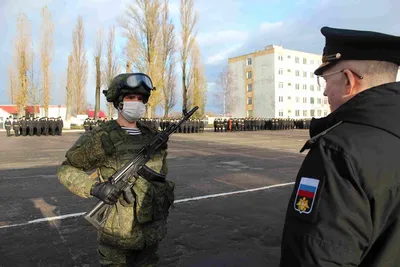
column 374, row 72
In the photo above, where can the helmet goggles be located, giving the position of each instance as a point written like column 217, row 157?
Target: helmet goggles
column 137, row 79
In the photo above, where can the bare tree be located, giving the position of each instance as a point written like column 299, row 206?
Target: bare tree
column 198, row 86
column 23, row 50
column 142, row 29
column 46, row 49
column 225, row 91
column 170, row 90
column 97, row 57
column 167, row 48
column 188, row 21
column 79, row 69
column 35, row 91
column 111, row 66
column 69, row 89
column 12, row 84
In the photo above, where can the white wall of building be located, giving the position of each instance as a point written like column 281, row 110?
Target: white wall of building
column 264, row 86
column 239, row 93
column 54, row 111
column 276, row 77
column 297, row 92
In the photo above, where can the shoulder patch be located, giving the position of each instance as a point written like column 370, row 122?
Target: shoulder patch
column 305, row 196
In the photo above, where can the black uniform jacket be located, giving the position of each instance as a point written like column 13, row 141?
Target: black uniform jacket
column 345, row 206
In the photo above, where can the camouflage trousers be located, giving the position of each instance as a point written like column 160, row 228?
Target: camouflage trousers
column 114, row 257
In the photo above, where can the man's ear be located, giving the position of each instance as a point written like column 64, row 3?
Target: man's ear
column 120, row 105
column 350, row 82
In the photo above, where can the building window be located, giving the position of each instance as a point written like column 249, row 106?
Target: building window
column 312, row 100
column 297, row 73
column 297, row 86
column 318, row 88
column 280, row 113
column 249, row 74
column 289, row 84
column 249, row 62
column 305, row 74
column 249, row 87
column 297, row 113
column 304, row 100
column 319, row 100
column 311, row 75
column 281, row 99
column 249, row 113
column 289, row 98
column 304, row 61
column 325, row 101
column 289, row 70
column 280, row 71
column 280, row 58
column 249, row 101
column 280, row 85
column 304, row 86
column 312, row 87
column 325, row 113
column 319, row 113
column 297, row 60
column 312, row 113
column 289, row 111
column 289, row 56
column 311, row 61
column 305, row 113
column 297, row 99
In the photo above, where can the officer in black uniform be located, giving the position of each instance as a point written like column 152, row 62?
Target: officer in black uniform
column 30, row 125
column 45, row 125
column 345, row 205
column 38, row 127
column 7, row 125
column 60, row 125
column 16, row 126
column 52, row 126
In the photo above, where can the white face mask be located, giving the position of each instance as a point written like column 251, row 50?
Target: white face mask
column 133, row 110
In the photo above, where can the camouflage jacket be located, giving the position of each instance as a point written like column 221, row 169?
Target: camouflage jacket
column 106, row 149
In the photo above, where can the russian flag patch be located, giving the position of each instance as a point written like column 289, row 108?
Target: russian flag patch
column 305, row 196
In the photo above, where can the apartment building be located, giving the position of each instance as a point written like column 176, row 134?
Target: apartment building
column 277, row 83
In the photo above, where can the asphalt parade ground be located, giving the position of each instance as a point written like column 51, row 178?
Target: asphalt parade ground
column 232, row 190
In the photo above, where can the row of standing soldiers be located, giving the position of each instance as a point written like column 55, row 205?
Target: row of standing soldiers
column 189, row 126
column 90, row 123
column 34, row 126
column 257, row 124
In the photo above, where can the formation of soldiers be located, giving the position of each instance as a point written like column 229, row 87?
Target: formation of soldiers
column 190, row 126
column 257, row 124
column 90, row 123
column 34, row 126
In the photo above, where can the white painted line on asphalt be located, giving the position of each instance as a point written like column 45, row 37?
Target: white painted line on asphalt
column 232, row 193
column 61, row 217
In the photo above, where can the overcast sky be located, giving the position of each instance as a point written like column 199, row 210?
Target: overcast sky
column 226, row 28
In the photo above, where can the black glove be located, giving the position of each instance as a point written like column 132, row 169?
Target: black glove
column 106, row 192
column 128, row 198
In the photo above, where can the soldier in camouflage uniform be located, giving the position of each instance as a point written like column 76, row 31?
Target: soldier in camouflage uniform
column 136, row 220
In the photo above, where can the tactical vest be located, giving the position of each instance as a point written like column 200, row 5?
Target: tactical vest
column 152, row 198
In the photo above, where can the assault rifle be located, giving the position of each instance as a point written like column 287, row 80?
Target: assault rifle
column 121, row 179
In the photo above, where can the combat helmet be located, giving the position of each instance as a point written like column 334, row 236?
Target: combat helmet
column 129, row 83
